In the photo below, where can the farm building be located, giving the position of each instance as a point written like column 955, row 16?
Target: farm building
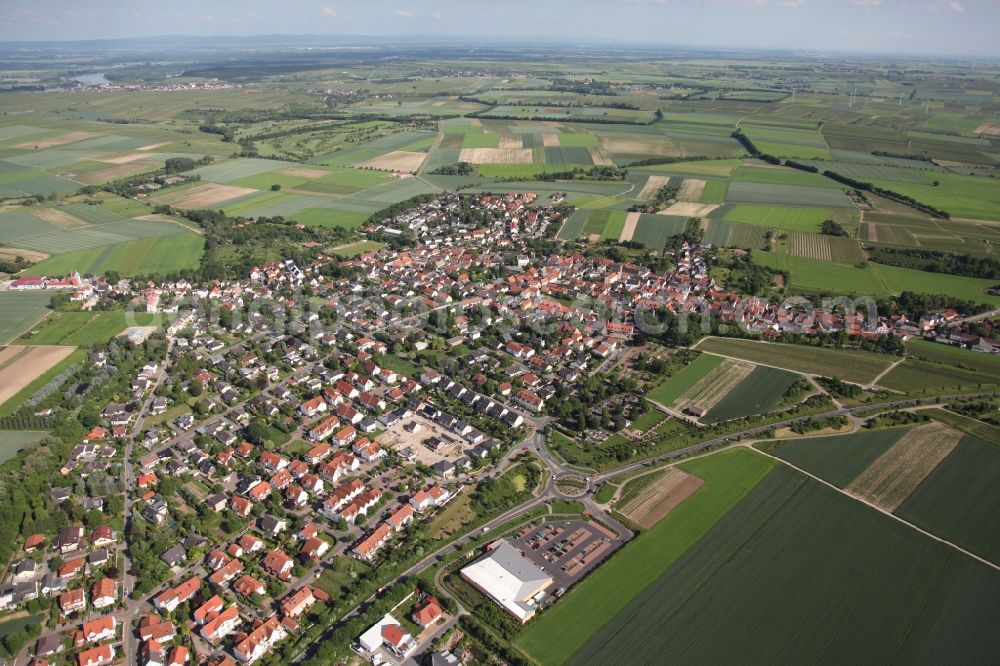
column 510, row 579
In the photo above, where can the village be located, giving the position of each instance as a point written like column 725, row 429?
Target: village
column 301, row 417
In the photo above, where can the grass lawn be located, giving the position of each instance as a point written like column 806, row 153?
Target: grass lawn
column 948, row 355
column 328, row 217
column 555, row 636
column 849, row 365
column 978, row 429
column 667, row 392
column 336, row 578
column 354, row 249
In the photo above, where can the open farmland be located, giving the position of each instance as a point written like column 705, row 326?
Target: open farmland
column 83, row 329
column 848, row 365
column 742, row 192
column 959, row 500
column 914, row 376
column 793, row 219
column 654, row 230
column 837, row 249
column 714, row 386
column 18, row 371
column 658, row 499
column 685, row 379
column 603, row 596
column 897, row 472
column 21, row 311
column 800, row 553
column 204, row 195
column 838, row 459
column 161, row 255
column 397, row 160
column 760, row 392
column 824, row 277
column 496, row 155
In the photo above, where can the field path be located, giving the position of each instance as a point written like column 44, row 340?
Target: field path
column 886, row 371
column 889, row 514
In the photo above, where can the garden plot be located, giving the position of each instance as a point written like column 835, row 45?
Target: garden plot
column 397, row 160
column 496, row 155
column 897, row 472
column 205, row 195
column 714, row 386
column 659, row 499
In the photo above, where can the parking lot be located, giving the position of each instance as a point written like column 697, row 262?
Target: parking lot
column 568, row 549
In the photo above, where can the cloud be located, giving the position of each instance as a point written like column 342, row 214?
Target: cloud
column 329, row 11
column 402, row 13
column 792, row 3
column 956, row 7
column 867, row 4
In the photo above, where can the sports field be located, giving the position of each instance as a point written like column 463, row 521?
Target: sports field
column 559, row 633
column 849, row 365
column 821, row 579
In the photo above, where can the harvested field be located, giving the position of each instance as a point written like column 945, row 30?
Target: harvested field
column 205, row 195
column 631, row 221
column 714, row 386
column 550, row 140
column 689, row 209
column 301, row 172
column 992, row 129
column 23, row 369
column 496, row 155
column 123, row 159
column 53, row 141
column 897, row 472
column 673, row 487
column 652, row 186
column 599, row 157
column 510, row 141
column 104, row 175
column 59, row 218
column 691, row 190
column 12, row 253
column 397, row 160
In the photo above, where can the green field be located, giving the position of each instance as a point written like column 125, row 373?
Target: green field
column 151, row 256
column 760, row 392
column 83, row 329
column 799, row 573
column 773, row 176
column 654, row 230
column 742, row 192
column 560, row 632
column 328, row 217
column 21, row 311
column 960, row 499
column 948, row 355
column 794, row 219
column 978, row 429
column 682, row 381
column 912, row 376
column 12, row 441
column 824, row 277
column 970, row 197
column 849, row 365
column 841, row 458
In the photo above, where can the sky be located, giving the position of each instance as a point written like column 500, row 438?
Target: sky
column 953, row 27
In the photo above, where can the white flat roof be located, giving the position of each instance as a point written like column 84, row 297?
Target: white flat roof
column 510, row 578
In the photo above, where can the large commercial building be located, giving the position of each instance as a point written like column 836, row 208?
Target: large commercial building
column 510, row 579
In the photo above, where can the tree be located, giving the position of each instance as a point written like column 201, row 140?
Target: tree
column 275, row 187
column 195, row 388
